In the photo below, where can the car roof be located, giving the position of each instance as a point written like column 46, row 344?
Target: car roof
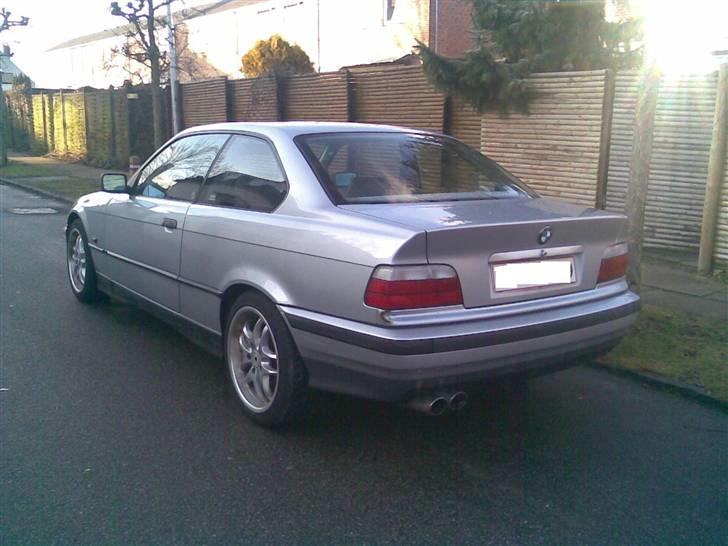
column 292, row 129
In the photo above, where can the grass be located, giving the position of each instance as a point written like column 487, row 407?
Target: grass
column 22, row 170
column 70, row 188
column 677, row 345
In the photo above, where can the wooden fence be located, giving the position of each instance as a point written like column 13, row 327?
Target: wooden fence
column 574, row 144
column 679, row 166
column 557, row 146
column 720, row 252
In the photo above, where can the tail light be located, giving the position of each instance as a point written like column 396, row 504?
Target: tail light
column 413, row 287
column 614, row 263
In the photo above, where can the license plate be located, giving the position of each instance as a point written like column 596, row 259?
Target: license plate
column 532, row 274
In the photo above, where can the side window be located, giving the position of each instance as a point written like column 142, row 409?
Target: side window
column 246, row 175
column 178, row 171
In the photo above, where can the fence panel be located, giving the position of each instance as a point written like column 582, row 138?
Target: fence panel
column 555, row 149
column 317, row 97
column 75, row 124
column 254, row 99
column 400, row 96
column 107, row 127
column 40, row 125
column 465, row 123
column 99, row 127
column 59, row 139
column 720, row 251
column 680, row 152
column 204, row 102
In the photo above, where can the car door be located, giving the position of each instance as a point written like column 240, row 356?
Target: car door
column 229, row 226
column 144, row 228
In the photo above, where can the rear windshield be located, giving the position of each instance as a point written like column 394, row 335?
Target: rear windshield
column 404, row 168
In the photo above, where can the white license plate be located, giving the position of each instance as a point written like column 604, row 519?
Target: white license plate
column 531, row 274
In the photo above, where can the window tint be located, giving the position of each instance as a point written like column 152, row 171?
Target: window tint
column 246, row 175
column 405, row 167
column 178, row 171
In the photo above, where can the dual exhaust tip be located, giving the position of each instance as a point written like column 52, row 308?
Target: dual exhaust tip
column 438, row 403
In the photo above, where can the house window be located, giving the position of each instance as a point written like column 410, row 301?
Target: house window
column 388, row 9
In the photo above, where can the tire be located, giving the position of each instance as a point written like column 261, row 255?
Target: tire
column 80, row 265
column 262, row 361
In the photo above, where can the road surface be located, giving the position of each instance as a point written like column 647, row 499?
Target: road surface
column 115, row 429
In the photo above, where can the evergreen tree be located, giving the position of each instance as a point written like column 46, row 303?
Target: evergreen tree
column 514, row 38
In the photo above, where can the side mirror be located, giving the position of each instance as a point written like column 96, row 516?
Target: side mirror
column 113, row 182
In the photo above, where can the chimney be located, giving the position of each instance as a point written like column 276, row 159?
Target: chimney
column 6, row 50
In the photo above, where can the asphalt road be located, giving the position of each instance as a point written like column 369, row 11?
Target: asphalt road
column 115, row 429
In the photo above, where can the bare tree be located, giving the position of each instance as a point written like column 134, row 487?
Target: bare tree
column 5, row 23
column 143, row 19
column 190, row 65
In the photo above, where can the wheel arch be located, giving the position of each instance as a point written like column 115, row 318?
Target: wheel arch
column 72, row 217
column 232, row 292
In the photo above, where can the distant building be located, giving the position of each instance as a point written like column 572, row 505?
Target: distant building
column 8, row 69
column 334, row 33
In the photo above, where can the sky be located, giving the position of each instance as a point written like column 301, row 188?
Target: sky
column 53, row 22
column 683, row 33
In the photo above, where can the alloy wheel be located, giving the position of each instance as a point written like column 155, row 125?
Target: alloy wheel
column 253, row 359
column 76, row 260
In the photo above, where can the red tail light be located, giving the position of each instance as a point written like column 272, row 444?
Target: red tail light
column 413, row 287
column 614, row 263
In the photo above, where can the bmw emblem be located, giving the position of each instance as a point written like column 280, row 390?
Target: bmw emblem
column 544, row 236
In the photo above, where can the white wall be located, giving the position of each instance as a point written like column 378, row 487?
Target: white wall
column 334, row 33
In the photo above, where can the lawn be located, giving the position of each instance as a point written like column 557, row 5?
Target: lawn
column 70, row 188
column 21, row 170
column 677, row 345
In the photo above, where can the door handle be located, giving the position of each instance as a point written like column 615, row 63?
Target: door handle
column 169, row 223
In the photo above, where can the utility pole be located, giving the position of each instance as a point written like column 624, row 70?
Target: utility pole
column 5, row 24
column 176, row 128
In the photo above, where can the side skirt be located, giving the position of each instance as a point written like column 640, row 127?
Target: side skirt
column 206, row 339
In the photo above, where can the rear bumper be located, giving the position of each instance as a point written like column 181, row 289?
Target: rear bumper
column 431, row 350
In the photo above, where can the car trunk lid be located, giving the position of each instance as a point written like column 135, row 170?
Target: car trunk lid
column 475, row 237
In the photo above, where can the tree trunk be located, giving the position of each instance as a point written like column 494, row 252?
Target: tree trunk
column 639, row 171
column 157, row 119
column 3, row 129
column 715, row 172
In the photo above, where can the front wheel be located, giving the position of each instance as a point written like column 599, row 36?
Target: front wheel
column 263, row 363
column 80, row 266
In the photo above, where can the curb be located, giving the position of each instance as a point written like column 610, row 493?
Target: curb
column 663, row 383
column 36, row 191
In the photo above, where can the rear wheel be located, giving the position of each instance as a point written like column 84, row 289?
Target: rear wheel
column 80, row 266
column 264, row 367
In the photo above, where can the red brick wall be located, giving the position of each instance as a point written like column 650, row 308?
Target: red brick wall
column 450, row 27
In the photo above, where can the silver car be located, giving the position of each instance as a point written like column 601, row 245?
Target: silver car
column 375, row 261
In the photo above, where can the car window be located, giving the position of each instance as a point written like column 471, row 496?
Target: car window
column 178, row 171
column 246, row 175
column 404, row 167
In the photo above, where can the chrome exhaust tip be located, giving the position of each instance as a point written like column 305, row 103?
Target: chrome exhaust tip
column 457, row 401
column 432, row 405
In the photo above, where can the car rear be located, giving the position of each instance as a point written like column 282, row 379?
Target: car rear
column 510, row 282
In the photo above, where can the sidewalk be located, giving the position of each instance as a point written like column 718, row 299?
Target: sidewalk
column 670, row 279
